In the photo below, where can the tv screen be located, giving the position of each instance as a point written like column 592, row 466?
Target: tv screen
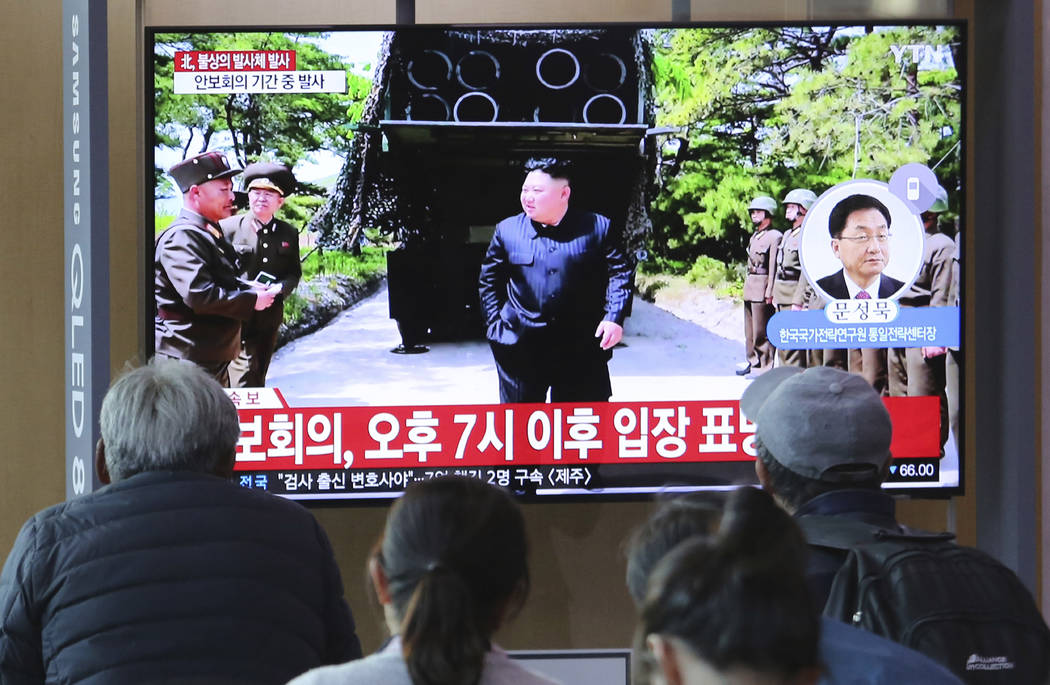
column 554, row 257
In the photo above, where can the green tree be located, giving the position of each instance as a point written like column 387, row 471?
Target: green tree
column 759, row 111
column 287, row 127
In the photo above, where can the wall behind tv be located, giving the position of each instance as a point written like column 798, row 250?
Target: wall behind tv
column 578, row 597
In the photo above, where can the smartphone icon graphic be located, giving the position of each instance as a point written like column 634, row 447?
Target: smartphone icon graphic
column 913, row 188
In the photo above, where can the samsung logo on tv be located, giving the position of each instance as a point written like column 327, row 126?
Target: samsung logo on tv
column 76, row 378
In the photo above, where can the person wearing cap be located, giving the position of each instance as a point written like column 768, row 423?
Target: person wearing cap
column 201, row 300
column 269, row 250
column 920, row 371
column 787, row 295
column 822, row 438
column 860, row 238
column 758, row 286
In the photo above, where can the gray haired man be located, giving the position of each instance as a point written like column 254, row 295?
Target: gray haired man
column 171, row 573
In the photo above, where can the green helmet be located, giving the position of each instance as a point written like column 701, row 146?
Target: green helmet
column 801, row 197
column 940, row 203
column 764, row 202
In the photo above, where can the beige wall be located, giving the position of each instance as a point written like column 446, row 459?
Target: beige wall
column 578, row 598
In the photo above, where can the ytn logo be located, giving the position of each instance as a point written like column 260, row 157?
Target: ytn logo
column 922, row 52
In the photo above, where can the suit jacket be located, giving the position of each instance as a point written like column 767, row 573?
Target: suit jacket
column 835, row 286
column 273, row 249
column 201, row 301
column 565, row 278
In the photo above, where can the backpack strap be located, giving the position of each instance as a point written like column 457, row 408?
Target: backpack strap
column 842, row 533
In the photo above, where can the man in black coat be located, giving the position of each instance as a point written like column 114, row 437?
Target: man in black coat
column 554, row 288
column 860, row 237
column 171, row 573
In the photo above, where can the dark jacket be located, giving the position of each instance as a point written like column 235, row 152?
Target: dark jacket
column 273, row 249
column 566, row 278
column 171, row 577
column 201, row 301
column 835, row 286
column 869, row 506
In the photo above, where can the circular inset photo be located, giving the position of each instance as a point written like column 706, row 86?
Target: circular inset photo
column 860, row 240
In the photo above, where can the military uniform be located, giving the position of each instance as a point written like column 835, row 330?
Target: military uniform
column 911, row 374
column 758, row 289
column 201, row 302
column 273, row 248
column 786, row 290
column 809, row 298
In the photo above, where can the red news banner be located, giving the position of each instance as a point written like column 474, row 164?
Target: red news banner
column 275, row 436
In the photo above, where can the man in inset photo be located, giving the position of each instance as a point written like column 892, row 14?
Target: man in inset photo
column 860, row 238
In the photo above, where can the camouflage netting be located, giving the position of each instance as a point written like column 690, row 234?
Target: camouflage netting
column 367, row 195
column 340, row 219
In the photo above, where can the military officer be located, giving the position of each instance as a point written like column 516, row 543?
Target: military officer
column 919, row 371
column 201, row 301
column 269, row 252
column 787, row 294
column 758, row 286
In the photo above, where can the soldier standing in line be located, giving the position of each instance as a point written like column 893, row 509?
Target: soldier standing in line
column 269, row 252
column 787, row 295
column 758, row 286
column 919, row 371
column 953, row 361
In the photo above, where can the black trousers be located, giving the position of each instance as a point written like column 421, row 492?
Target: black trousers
column 571, row 366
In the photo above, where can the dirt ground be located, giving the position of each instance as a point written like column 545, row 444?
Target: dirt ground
column 722, row 316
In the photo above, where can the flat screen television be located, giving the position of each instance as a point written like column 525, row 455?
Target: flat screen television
column 409, row 145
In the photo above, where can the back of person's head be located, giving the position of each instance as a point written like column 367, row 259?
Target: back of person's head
column 168, row 415
column 818, row 430
column 735, row 602
column 674, row 521
column 454, row 554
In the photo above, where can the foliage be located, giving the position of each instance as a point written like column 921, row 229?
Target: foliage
column 328, row 262
column 160, row 222
column 285, row 127
column 759, row 111
column 711, row 273
column 320, row 264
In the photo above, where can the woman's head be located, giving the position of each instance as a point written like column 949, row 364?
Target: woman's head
column 453, row 565
column 732, row 606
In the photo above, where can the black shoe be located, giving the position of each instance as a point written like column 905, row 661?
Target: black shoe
column 743, row 369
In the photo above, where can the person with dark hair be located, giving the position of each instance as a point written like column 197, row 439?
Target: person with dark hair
column 731, row 607
column 451, row 568
column 171, row 573
column 860, row 237
column 269, row 252
column 554, row 288
column 201, row 300
column 847, row 654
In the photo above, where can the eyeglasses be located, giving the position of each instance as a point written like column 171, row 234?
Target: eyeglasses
column 881, row 239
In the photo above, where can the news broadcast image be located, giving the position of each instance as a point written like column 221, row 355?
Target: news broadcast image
column 718, row 155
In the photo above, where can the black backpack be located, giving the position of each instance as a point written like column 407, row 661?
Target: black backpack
column 955, row 604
